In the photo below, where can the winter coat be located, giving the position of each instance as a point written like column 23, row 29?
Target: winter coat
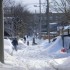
column 15, row 42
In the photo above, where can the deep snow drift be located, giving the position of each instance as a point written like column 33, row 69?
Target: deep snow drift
column 43, row 56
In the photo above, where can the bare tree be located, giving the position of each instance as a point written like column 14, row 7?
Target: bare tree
column 63, row 6
column 20, row 15
column 22, row 19
column 8, row 3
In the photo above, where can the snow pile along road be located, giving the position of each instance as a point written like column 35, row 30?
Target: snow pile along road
column 8, row 45
column 35, row 57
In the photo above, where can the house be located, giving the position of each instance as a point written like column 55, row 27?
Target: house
column 63, row 30
column 52, row 29
column 53, row 18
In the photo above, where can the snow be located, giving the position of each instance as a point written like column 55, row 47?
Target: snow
column 43, row 56
column 67, row 27
column 8, row 46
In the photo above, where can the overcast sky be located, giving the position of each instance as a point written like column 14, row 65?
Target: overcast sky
column 30, row 4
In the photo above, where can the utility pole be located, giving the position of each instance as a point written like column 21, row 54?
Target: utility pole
column 40, row 18
column 47, row 20
column 34, row 26
column 1, row 33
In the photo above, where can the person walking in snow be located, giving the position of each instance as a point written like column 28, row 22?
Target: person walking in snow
column 15, row 43
column 28, row 43
column 24, row 39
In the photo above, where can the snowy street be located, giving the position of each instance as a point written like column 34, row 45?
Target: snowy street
column 43, row 56
column 34, row 34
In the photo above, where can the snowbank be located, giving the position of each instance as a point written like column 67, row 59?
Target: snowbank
column 36, row 57
column 8, row 45
column 55, row 46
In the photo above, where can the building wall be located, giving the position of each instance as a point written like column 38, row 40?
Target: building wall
column 53, row 18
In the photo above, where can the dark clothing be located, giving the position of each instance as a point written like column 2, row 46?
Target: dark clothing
column 27, row 42
column 33, row 40
column 15, row 43
column 24, row 39
column 27, row 36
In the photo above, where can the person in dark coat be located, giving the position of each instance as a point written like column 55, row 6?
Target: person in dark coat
column 27, row 42
column 15, row 43
column 24, row 39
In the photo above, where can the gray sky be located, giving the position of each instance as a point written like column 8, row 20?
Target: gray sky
column 30, row 4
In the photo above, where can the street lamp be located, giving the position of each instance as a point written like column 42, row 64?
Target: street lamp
column 39, row 17
column 35, row 6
